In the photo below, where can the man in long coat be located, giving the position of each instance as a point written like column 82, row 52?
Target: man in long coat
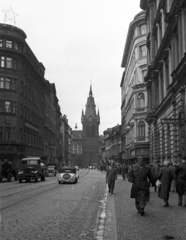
column 166, row 176
column 180, row 175
column 110, row 178
column 140, row 175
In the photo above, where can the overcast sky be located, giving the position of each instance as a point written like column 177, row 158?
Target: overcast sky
column 79, row 42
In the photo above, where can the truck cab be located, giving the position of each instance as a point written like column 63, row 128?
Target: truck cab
column 51, row 169
column 32, row 169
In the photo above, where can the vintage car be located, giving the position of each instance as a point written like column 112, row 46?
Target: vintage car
column 51, row 170
column 32, row 169
column 68, row 175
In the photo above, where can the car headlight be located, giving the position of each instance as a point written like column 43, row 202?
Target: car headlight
column 21, row 172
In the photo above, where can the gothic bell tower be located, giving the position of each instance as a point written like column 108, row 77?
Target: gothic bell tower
column 90, row 121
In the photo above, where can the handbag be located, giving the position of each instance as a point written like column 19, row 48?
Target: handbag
column 158, row 183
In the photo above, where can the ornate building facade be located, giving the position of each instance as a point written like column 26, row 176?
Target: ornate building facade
column 134, row 129
column 90, row 131
column 29, row 109
column 166, row 78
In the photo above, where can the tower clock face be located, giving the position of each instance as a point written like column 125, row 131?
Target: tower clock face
column 90, row 119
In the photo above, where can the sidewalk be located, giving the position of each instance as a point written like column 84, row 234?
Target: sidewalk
column 124, row 223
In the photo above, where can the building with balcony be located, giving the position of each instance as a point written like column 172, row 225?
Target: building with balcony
column 165, row 79
column 134, row 128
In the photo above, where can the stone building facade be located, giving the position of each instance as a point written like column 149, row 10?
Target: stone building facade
column 134, row 129
column 29, row 109
column 166, row 78
column 111, row 149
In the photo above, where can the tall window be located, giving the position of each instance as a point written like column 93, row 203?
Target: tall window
column 142, row 29
column 140, row 100
column 8, row 44
column 8, row 62
column 7, row 106
column 1, row 42
column 142, row 51
column 7, row 83
column 7, row 133
column 141, row 129
column 144, row 73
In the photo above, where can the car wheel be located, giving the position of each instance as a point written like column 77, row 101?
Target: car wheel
column 20, row 180
column 59, row 182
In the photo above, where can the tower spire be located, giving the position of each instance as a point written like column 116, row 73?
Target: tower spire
column 90, row 92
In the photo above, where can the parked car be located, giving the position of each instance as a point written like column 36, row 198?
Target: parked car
column 32, row 169
column 68, row 175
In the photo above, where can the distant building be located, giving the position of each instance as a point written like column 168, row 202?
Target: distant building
column 77, row 147
column 111, row 150
column 66, row 141
column 135, row 139
column 90, row 122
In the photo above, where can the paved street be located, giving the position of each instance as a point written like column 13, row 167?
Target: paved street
column 124, row 223
column 48, row 210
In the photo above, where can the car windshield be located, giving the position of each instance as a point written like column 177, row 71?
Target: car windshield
column 29, row 162
column 62, row 170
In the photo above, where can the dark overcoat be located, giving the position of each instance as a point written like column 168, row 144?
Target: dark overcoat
column 180, row 175
column 111, row 175
column 140, row 187
column 166, row 176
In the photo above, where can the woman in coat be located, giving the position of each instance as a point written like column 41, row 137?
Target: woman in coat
column 140, row 175
column 166, row 176
column 180, row 175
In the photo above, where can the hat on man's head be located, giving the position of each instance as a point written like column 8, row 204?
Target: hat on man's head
column 166, row 163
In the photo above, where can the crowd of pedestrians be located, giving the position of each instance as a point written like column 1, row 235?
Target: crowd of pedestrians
column 171, row 177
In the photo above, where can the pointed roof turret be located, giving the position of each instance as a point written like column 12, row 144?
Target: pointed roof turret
column 90, row 92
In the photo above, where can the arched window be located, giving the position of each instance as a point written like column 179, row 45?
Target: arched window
column 140, row 100
column 141, row 129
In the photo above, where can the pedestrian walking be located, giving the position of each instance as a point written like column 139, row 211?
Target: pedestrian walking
column 123, row 171
column 155, row 172
column 110, row 178
column 173, row 183
column 180, row 174
column 165, row 177
column 140, row 175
